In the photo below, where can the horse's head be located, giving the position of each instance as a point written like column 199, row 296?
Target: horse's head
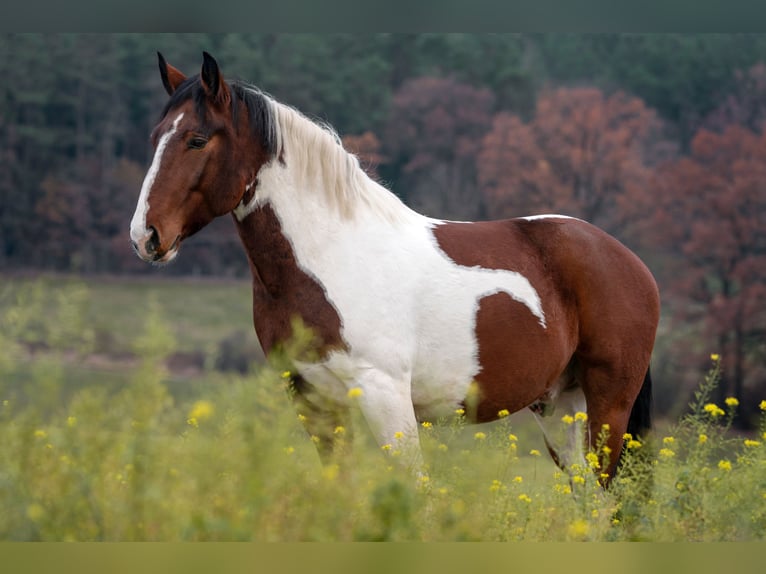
column 205, row 161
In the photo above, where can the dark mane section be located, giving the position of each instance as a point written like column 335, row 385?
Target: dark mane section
column 260, row 116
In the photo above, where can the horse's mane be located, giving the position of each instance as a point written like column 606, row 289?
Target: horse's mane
column 311, row 149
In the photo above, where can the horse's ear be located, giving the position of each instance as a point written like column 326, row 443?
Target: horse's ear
column 211, row 76
column 171, row 77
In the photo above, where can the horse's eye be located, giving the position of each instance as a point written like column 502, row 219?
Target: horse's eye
column 197, row 142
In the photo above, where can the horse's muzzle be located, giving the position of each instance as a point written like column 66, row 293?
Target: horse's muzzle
column 149, row 249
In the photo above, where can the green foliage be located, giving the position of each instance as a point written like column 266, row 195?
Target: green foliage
column 230, row 461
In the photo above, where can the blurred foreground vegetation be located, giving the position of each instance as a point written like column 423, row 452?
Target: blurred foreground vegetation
column 221, row 455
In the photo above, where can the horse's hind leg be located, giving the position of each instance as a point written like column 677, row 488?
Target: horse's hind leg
column 610, row 391
column 564, row 438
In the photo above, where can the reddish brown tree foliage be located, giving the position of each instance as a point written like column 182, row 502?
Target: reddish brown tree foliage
column 580, row 155
column 433, row 136
column 711, row 206
column 367, row 148
column 745, row 105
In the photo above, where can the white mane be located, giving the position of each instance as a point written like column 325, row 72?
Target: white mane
column 314, row 153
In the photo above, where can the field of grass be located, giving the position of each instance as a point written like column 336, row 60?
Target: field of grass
column 137, row 452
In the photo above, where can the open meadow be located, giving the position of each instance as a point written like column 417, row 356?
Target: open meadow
column 128, row 411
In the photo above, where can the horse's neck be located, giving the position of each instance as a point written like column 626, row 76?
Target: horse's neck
column 269, row 252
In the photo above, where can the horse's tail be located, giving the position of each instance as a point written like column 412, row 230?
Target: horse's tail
column 639, row 425
column 640, row 421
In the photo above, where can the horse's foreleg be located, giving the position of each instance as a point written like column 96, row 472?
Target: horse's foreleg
column 386, row 405
column 328, row 425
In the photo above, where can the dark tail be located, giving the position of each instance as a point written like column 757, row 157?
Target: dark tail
column 640, row 422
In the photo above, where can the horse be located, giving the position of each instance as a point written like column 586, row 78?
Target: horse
column 415, row 318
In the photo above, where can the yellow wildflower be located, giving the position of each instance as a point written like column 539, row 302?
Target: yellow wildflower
column 581, row 416
column 201, row 410
column 512, row 437
column 524, row 498
column 355, row 393
column 668, row 440
column 71, row 422
column 633, row 444
column 667, row 453
column 426, row 425
column 286, row 374
column 715, row 357
column 40, row 433
column 534, row 452
column 339, row 430
column 331, row 472
column 192, row 422
column 592, row 459
column 578, row 479
column 302, row 418
column 749, row 442
column 627, row 436
column 724, row 465
column 495, row 486
column 713, row 410
column 289, row 450
column 460, row 412
column 731, row 402
column 762, row 405
column 563, row 488
column 443, row 447
column 502, row 413
column 518, row 479
column 398, row 435
column 386, row 446
column 567, row 419
column 606, row 450
column 579, row 529
column 702, row 439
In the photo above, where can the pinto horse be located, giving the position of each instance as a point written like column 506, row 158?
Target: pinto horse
column 417, row 314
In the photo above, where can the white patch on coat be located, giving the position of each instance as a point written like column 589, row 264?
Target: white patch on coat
column 408, row 312
column 138, row 231
column 546, row 216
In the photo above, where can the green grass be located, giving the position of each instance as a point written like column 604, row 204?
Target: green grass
column 222, row 456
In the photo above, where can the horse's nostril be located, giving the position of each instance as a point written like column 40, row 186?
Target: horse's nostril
column 153, row 242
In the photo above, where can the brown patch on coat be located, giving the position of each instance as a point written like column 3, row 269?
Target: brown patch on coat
column 281, row 290
column 601, row 310
column 519, row 359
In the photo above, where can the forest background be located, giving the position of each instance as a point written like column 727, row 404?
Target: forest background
column 658, row 139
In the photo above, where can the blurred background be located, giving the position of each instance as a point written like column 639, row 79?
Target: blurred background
column 658, row 139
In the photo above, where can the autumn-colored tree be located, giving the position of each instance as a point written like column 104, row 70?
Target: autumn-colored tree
column 745, row 105
column 433, row 136
column 367, row 148
column 583, row 154
column 711, row 207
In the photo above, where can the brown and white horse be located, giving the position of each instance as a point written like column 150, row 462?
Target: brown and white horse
column 546, row 312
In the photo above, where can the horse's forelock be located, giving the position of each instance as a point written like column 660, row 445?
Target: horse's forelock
column 260, row 115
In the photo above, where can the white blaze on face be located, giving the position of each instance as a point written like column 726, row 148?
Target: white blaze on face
column 138, row 231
